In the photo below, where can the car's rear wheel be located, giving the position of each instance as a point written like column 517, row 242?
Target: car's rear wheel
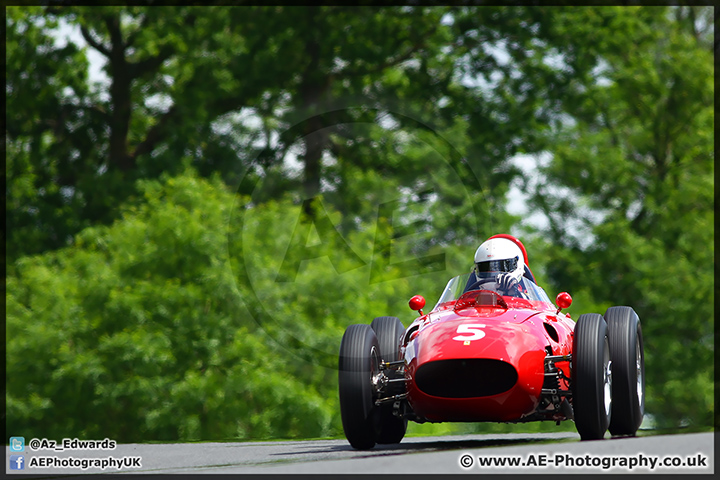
column 358, row 365
column 591, row 377
column 389, row 428
column 628, row 363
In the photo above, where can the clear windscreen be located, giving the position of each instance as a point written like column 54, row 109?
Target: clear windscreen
column 467, row 282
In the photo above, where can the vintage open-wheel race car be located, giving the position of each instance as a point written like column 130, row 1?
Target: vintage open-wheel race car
column 483, row 356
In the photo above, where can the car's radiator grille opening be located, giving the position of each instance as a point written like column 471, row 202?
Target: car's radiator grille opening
column 551, row 331
column 465, row 378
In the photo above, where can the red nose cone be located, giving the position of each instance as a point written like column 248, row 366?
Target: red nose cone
column 563, row 300
column 417, row 302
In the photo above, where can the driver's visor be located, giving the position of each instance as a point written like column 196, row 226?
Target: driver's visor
column 507, row 265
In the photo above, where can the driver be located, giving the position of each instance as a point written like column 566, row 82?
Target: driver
column 499, row 266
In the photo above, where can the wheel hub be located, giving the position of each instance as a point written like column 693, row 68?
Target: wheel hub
column 639, row 376
column 377, row 378
column 607, row 379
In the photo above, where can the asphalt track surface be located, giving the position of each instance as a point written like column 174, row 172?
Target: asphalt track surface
column 423, row 455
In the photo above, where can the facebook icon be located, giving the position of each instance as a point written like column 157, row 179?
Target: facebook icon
column 17, row 462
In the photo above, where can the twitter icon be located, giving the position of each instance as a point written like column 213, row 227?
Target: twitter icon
column 17, row 444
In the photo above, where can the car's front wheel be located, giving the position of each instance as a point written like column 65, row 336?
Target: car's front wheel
column 591, row 377
column 358, row 366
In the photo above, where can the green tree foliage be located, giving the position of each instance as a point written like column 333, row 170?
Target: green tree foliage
column 78, row 148
column 138, row 332
column 355, row 88
column 46, row 135
column 637, row 160
column 152, row 328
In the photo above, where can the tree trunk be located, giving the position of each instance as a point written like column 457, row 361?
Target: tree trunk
column 120, row 99
column 313, row 90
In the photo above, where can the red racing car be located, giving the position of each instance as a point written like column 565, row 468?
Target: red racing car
column 485, row 355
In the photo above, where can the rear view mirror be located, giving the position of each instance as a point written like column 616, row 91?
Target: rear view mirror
column 417, row 303
column 563, row 300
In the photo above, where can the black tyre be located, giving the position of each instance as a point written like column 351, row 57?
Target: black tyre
column 591, row 377
column 628, row 365
column 359, row 362
column 388, row 427
column 389, row 331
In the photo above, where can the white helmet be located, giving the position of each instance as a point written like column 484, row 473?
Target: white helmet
column 499, row 255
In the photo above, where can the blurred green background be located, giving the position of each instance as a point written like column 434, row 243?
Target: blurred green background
column 199, row 200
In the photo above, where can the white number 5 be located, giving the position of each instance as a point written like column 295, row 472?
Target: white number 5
column 473, row 329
